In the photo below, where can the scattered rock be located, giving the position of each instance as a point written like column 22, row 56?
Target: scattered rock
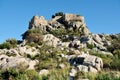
column 82, row 68
column 73, row 72
column 44, row 72
column 61, row 66
column 51, row 40
column 74, row 45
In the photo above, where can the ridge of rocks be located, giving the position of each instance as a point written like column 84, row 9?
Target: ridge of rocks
column 67, row 32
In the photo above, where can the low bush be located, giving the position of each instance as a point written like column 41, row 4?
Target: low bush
column 90, row 46
column 33, row 37
column 58, row 32
column 32, row 75
column 81, row 75
column 115, row 46
column 58, row 14
column 9, row 43
column 110, row 62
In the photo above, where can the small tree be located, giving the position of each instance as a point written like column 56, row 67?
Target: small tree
column 58, row 14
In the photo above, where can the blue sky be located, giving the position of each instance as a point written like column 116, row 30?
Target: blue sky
column 101, row 16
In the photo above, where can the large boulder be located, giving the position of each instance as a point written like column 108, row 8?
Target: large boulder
column 44, row 72
column 73, row 72
column 75, row 43
column 56, row 22
column 86, row 62
column 10, row 52
column 86, row 68
column 75, row 22
column 51, row 40
column 16, row 62
column 37, row 21
column 73, row 17
column 27, row 50
column 94, row 61
column 97, row 39
column 82, row 68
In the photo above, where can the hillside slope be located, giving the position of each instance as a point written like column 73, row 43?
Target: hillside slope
column 60, row 49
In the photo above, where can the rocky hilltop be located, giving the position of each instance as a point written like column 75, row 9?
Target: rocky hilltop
column 62, row 46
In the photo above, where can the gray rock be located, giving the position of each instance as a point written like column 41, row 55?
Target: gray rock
column 36, row 22
column 92, row 69
column 17, row 62
column 61, row 66
column 93, row 61
column 72, row 17
column 13, row 62
column 97, row 39
column 27, row 50
column 75, row 43
column 73, row 51
column 44, row 72
column 51, row 40
column 86, row 62
column 82, row 68
column 73, row 72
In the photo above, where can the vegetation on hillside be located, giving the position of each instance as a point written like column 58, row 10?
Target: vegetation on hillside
column 9, row 43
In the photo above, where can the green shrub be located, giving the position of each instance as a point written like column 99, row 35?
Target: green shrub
column 110, row 62
column 81, row 75
column 21, row 77
column 90, row 46
column 9, row 74
column 58, row 32
column 9, row 43
column 49, row 63
column 13, row 74
column 115, row 46
column 59, row 74
column 115, row 64
column 107, row 59
column 32, row 75
column 106, row 76
column 58, row 14
column 34, row 37
column 73, row 32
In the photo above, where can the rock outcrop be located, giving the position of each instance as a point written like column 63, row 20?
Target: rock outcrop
column 37, row 22
column 51, row 40
column 66, row 39
column 86, row 62
column 16, row 62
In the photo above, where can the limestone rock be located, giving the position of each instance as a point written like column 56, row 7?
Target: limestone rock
column 75, row 43
column 86, row 62
column 32, row 63
column 27, row 50
column 92, row 69
column 37, row 21
column 82, row 68
column 73, row 51
column 75, row 22
column 73, row 72
column 97, row 39
column 61, row 66
column 51, row 40
column 13, row 62
column 44, row 72
column 93, row 61
column 55, row 22
column 11, row 52
column 73, row 17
